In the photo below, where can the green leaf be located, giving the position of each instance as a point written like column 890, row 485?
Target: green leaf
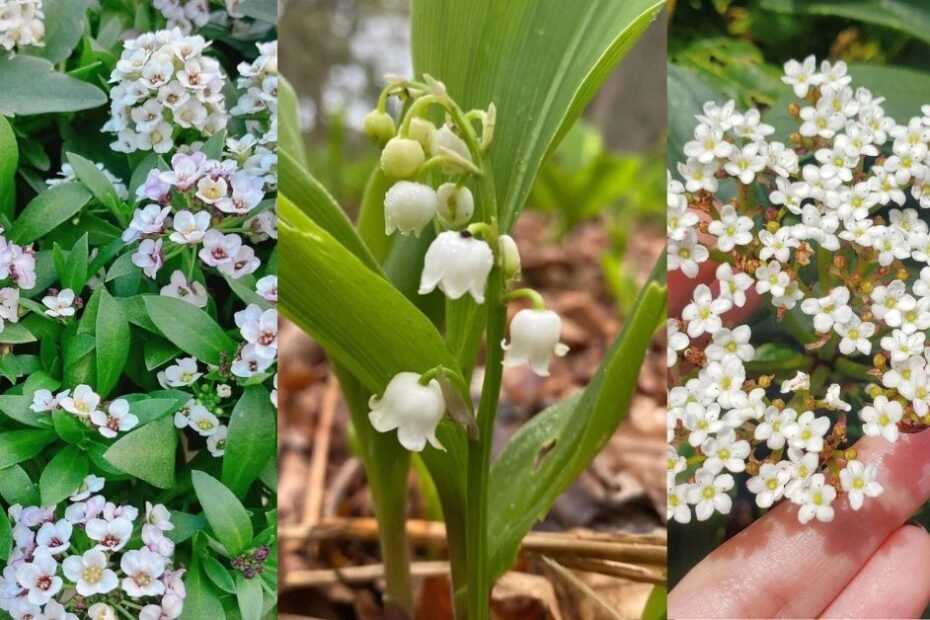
column 202, row 600
column 19, row 446
column 225, row 514
column 291, row 140
column 6, row 537
column 64, row 25
column 97, row 182
column 657, row 604
column 16, row 333
column 158, row 352
column 63, row 475
column 73, row 269
column 539, row 61
column 148, row 453
column 30, row 86
column 362, row 321
column 264, row 10
column 218, row 574
column 48, row 210
column 189, row 328
column 309, row 195
column 548, row 454
column 68, row 427
column 249, row 596
column 16, row 487
column 251, row 439
column 16, row 407
column 112, row 342
column 911, row 17
column 687, row 93
column 9, row 162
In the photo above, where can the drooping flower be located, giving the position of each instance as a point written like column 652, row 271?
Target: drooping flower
column 409, row 407
column 534, row 339
column 457, row 263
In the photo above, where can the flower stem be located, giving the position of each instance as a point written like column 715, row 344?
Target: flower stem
column 479, row 455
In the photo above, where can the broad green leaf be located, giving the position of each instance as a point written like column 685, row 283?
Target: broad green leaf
column 148, row 453
column 17, row 408
column 225, row 514
column 290, row 140
column 112, row 342
column 218, row 574
column 9, row 162
column 94, row 180
column 158, row 352
column 72, row 268
column 362, row 321
column 539, row 61
column 309, row 195
column 371, row 215
column 189, row 328
column 264, row 10
column 656, row 604
column 6, row 537
column 31, row 86
column 202, row 599
column 249, row 597
column 16, row 487
column 68, row 427
column 548, row 454
column 16, row 333
column 63, row 475
column 911, row 17
column 251, row 439
column 64, row 25
column 19, row 446
column 48, row 210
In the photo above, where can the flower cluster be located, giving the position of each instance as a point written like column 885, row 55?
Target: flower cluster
column 165, row 87
column 85, row 404
column 431, row 167
column 185, row 15
column 835, row 247
column 18, row 265
column 91, row 558
column 22, row 22
column 256, row 151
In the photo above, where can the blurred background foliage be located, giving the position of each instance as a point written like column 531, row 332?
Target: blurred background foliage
column 609, row 167
column 735, row 49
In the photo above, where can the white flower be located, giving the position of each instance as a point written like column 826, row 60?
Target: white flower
column 855, row 335
column 267, row 287
column 733, row 285
column 101, row 611
column 413, row 409
column 22, row 23
column 708, row 145
column 159, row 516
column 82, row 402
column 709, row 493
column 216, row 443
column 686, row 254
column 219, row 249
column 881, row 418
column 192, row 292
column 109, row 535
column 703, row 313
column 769, row 484
column 858, row 480
column 149, row 257
column 829, row 310
column 775, row 426
column 678, row 508
column 409, row 207
column 183, row 373
column 149, row 220
column 815, row 500
column 727, row 343
column 725, row 451
column 534, row 337
column 800, row 381
column 801, row 76
column 189, row 228
column 259, row 327
column 142, row 569
column 457, row 263
column 44, row 401
column 677, row 341
column 89, row 486
column 54, row 538
column 118, row 419
column 807, row 432
column 456, row 205
column 203, row 421
column 90, row 573
column 833, row 401
column 249, row 362
column 60, row 305
column 39, row 578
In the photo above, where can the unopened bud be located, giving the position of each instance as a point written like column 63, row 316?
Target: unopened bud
column 421, row 130
column 850, row 454
column 379, row 127
column 509, row 257
column 794, row 109
column 401, row 158
column 456, row 205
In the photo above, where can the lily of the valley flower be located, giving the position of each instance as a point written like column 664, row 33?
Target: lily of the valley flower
column 409, row 207
column 456, row 205
column 534, row 338
column 457, row 263
column 411, row 408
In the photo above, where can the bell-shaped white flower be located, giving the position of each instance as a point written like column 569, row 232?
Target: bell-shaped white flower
column 534, row 337
column 413, row 409
column 409, row 207
column 456, row 205
column 457, row 263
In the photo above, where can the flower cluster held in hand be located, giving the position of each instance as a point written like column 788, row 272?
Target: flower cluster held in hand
column 91, row 558
column 826, row 228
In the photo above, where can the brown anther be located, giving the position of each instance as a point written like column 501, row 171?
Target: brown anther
column 839, row 261
column 794, row 109
column 778, row 404
column 695, row 356
column 765, row 381
column 879, row 360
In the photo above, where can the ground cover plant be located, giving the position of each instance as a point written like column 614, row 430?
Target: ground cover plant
column 138, row 175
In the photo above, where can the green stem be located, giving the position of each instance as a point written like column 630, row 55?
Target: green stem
column 479, row 455
column 527, row 293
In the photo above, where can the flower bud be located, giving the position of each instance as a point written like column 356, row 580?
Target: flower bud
column 379, row 127
column 409, row 207
column 445, row 138
column 421, row 130
column 401, row 158
column 456, row 205
column 414, row 410
column 534, row 337
column 509, row 257
column 457, row 263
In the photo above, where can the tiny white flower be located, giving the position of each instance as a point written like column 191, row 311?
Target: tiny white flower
column 203, row 421
column 725, row 452
column 709, row 494
column 143, row 570
column 815, row 500
column 216, row 443
column 457, row 263
column 678, row 509
column 769, row 484
column 858, row 480
column 118, row 419
column 82, row 402
column 192, row 292
column 90, row 573
column 109, row 535
column 40, row 578
column 413, row 409
column 703, row 313
column 409, row 207
column 534, row 338
column 881, row 418
column 60, row 305
column 800, row 381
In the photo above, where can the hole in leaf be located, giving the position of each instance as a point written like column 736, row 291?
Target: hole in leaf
column 544, row 451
